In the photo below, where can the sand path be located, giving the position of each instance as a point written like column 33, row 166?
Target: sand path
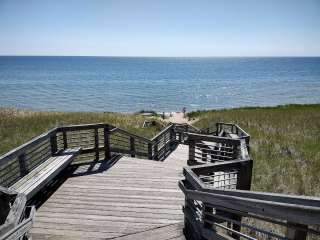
column 177, row 117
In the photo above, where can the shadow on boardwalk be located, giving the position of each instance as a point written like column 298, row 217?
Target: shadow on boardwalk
column 129, row 198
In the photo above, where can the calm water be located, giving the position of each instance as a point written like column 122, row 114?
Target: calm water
column 162, row 84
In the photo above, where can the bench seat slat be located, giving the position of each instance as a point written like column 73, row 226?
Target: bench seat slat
column 44, row 173
column 33, row 173
column 47, row 171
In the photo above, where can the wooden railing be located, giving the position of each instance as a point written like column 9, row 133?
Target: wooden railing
column 209, row 148
column 20, row 161
column 97, row 141
column 220, row 205
column 229, row 130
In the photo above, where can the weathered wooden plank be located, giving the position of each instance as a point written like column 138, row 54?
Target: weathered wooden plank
column 109, row 227
column 85, row 215
column 172, row 231
column 73, row 233
column 124, row 199
column 112, row 208
column 160, row 215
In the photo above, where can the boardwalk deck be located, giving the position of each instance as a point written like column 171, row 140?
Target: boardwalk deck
column 134, row 199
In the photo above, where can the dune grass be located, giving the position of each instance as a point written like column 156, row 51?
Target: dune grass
column 285, row 140
column 285, row 145
column 19, row 126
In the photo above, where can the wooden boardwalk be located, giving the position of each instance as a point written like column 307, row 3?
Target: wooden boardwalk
column 134, row 199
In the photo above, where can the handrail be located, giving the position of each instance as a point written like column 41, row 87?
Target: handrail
column 297, row 212
column 218, row 195
column 81, row 126
column 117, row 129
column 34, row 141
column 162, row 132
column 211, row 138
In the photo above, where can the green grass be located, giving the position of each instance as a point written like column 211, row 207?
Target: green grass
column 19, row 126
column 285, row 145
column 285, row 140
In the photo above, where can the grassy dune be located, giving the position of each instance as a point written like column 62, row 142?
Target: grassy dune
column 285, row 143
column 19, row 126
column 285, row 140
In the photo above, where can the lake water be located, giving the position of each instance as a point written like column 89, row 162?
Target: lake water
column 163, row 84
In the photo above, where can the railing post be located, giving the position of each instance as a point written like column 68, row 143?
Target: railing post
column 53, row 143
column 132, row 147
column 96, row 143
column 217, row 129
column 155, row 151
column 180, row 137
column 244, row 176
column 172, row 137
column 192, row 148
column 294, row 233
column 65, row 140
column 150, row 151
column 107, row 150
column 22, row 165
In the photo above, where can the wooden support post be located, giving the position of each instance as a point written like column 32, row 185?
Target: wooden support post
column 22, row 165
column 65, row 140
column 244, row 176
column 107, row 148
column 236, row 227
column 192, row 148
column 96, row 143
column 217, row 129
column 132, row 147
column 155, row 152
column 205, row 210
column 172, row 138
column 165, row 147
column 53, row 143
column 296, row 231
column 150, row 151
column 204, row 155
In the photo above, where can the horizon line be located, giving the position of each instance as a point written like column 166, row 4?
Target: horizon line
column 130, row 56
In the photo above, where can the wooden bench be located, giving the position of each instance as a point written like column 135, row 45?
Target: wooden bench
column 44, row 173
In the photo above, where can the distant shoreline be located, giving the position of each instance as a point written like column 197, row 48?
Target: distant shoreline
column 14, row 109
column 102, row 56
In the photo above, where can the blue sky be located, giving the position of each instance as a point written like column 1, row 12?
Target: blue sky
column 160, row 28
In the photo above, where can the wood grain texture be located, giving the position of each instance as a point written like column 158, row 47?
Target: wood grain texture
column 44, row 173
column 134, row 199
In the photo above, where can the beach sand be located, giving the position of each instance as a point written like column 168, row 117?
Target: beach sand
column 178, row 117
